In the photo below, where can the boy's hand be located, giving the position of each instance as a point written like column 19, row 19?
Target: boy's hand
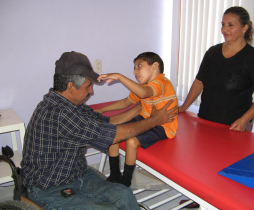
column 109, row 77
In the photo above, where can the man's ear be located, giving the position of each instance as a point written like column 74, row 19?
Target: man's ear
column 70, row 86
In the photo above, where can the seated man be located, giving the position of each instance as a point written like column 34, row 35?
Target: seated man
column 57, row 135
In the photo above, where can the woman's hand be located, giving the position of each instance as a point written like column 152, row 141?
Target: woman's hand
column 181, row 109
column 239, row 125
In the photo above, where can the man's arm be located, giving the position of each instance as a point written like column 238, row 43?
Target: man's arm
column 137, row 89
column 158, row 117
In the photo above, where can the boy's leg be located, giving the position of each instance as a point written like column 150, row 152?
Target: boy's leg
column 144, row 140
column 113, row 150
column 115, row 173
column 132, row 146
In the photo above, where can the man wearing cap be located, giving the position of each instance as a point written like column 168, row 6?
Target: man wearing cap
column 57, row 135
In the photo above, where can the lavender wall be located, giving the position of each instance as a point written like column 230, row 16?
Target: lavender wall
column 34, row 34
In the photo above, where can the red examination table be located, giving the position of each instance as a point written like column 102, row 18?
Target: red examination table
column 191, row 161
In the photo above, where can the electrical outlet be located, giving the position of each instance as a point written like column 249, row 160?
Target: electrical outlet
column 98, row 66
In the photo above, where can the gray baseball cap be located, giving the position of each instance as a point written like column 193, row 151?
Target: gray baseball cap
column 74, row 63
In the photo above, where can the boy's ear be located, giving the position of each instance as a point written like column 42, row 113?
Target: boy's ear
column 156, row 66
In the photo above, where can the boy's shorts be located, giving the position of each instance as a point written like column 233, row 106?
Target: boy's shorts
column 151, row 136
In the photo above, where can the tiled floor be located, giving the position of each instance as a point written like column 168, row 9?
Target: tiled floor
column 140, row 180
column 6, row 192
column 166, row 206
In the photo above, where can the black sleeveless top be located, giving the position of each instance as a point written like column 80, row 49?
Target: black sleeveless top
column 228, row 84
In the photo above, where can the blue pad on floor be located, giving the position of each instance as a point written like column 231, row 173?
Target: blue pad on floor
column 241, row 171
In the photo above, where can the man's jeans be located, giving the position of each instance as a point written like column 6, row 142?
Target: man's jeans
column 92, row 192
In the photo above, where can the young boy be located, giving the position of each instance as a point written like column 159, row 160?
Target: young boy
column 154, row 89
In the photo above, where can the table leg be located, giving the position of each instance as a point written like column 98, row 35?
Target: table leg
column 22, row 134
column 102, row 162
column 14, row 140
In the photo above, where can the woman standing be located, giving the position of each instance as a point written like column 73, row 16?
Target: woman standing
column 226, row 75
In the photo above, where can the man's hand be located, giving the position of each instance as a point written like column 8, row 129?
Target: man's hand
column 158, row 117
column 163, row 115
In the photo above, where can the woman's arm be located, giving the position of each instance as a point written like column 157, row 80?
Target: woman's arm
column 240, row 124
column 122, row 104
column 194, row 92
column 137, row 89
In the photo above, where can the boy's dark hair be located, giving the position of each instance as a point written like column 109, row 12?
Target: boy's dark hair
column 150, row 58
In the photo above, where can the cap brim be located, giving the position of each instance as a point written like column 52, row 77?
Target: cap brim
column 91, row 75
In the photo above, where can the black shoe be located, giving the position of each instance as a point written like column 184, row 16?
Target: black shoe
column 115, row 178
column 124, row 181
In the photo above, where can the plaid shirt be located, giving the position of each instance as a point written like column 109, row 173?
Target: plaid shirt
column 56, row 139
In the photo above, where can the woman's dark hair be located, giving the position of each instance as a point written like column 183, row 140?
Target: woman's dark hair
column 150, row 58
column 61, row 81
column 244, row 19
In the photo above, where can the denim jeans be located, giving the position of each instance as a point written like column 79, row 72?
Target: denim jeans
column 92, row 192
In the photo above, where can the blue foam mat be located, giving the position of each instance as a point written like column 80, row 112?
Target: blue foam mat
column 241, row 171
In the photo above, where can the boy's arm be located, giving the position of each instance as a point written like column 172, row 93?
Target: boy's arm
column 125, row 116
column 122, row 104
column 137, row 89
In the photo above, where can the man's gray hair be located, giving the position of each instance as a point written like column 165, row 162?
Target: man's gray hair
column 77, row 80
column 61, row 81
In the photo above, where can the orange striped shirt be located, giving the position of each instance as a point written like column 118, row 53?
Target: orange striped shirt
column 163, row 91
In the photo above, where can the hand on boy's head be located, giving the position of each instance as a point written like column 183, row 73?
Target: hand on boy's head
column 109, row 77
